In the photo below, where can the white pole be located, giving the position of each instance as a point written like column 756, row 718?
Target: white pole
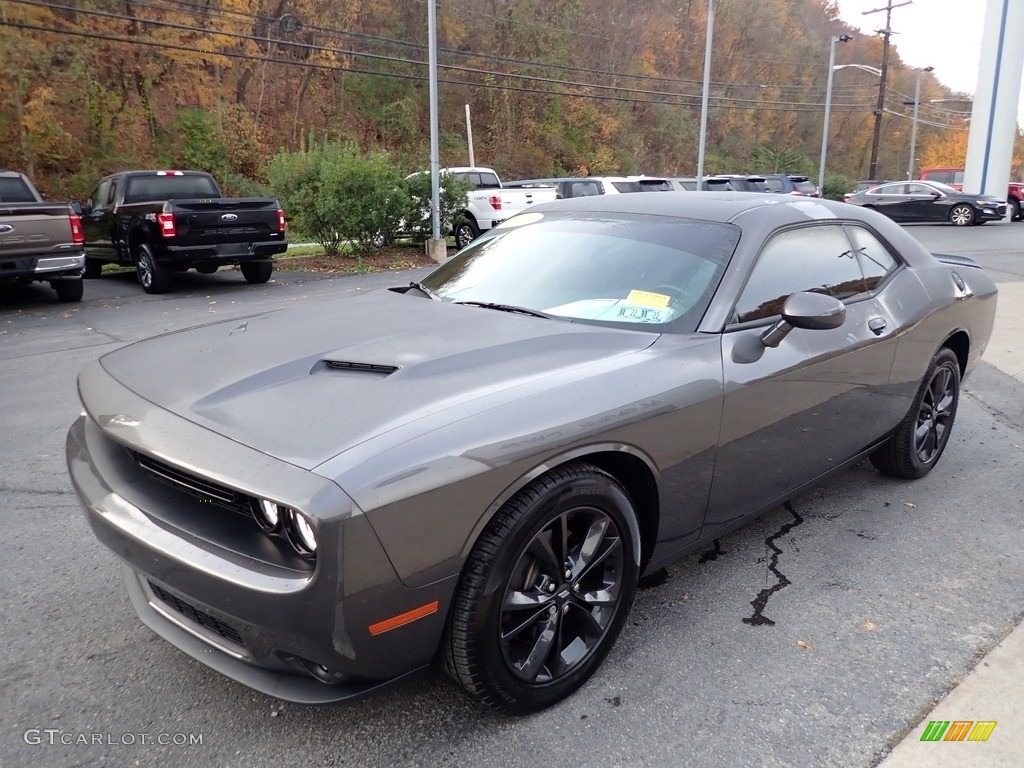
column 913, row 125
column 435, row 162
column 469, row 134
column 704, row 95
column 828, row 113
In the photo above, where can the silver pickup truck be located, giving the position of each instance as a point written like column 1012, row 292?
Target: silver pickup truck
column 39, row 241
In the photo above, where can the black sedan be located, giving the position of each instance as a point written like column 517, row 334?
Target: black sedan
column 930, row 201
column 476, row 469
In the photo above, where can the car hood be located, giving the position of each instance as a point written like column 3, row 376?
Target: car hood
column 307, row 384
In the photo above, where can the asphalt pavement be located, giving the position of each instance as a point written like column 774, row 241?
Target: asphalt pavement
column 895, row 593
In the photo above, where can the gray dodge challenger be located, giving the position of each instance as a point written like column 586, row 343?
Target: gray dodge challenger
column 477, row 468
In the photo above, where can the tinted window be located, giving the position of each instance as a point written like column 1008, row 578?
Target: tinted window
column 946, row 177
column 920, row 189
column 15, row 190
column 99, row 195
column 142, row 189
column 774, row 185
column 889, row 189
column 816, row 259
column 585, row 189
column 875, row 259
column 806, row 186
column 635, row 271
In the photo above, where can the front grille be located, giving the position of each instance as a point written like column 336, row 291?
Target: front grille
column 197, row 486
column 197, row 616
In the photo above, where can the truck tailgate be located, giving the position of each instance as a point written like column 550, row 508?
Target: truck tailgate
column 514, row 201
column 34, row 228
column 226, row 221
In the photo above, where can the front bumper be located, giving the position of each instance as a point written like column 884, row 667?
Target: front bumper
column 992, row 212
column 213, row 584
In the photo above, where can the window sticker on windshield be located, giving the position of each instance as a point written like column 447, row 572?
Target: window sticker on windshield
column 648, row 299
column 640, row 314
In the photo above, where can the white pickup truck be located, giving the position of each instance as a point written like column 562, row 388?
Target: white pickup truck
column 490, row 203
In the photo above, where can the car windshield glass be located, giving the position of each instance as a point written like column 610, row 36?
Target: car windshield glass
column 636, row 271
column 142, row 189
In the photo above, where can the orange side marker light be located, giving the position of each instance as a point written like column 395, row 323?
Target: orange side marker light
column 404, row 618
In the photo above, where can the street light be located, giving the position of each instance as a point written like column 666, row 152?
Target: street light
column 913, row 125
column 828, row 108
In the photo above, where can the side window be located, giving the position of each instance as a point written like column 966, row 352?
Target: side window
column 876, row 262
column 773, row 185
column 919, row 189
column 98, row 199
column 817, row 259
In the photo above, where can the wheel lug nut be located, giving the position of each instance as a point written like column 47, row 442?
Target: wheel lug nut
column 575, row 587
column 568, row 573
column 550, row 587
column 565, row 608
column 552, row 610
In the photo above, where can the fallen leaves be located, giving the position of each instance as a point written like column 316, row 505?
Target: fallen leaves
column 870, row 626
column 910, row 504
column 805, row 645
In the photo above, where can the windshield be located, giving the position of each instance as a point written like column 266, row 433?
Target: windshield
column 637, row 271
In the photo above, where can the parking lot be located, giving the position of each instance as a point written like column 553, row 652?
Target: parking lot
column 881, row 594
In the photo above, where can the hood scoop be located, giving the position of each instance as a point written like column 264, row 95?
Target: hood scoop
column 349, row 366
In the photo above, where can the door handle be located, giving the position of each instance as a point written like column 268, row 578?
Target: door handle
column 877, row 325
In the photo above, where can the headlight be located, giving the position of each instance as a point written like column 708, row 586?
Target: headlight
column 268, row 514
column 301, row 533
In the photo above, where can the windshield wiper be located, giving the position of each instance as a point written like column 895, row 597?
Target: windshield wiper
column 421, row 287
column 507, row 308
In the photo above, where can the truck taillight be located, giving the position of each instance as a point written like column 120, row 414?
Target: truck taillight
column 282, row 225
column 495, row 201
column 166, row 222
column 77, row 235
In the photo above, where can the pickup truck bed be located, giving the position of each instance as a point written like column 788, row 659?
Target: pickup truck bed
column 39, row 241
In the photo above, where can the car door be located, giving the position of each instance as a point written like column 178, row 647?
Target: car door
column 793, row 412
column 98, row 220
column 925, row 203
column 891, row 199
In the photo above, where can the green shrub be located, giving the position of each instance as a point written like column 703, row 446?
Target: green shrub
column 335, row 194
column 836, row 186
column 454, row 194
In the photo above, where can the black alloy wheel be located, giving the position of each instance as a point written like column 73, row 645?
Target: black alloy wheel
column 922, row 436
column 466, row 231
column 545, row 592
column 152, row 277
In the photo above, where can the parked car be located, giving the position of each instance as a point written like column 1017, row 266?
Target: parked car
column 788, row 184
column 39, row 241
column 930, row 201
column 490, row 202
column 161, row 222
column 954, row 177
column 597, row 388
column 719, row 183
column 587, row 186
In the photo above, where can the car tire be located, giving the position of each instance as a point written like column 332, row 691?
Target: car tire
column 257, row 272
column 69, row 290
column 1015, row 212
column 466, row 231
column 152, row 277
column 534, row 552
column 961, row 215
column 93, row 268
column 916, row 446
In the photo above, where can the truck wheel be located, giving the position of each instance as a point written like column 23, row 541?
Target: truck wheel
column 466, row 232
column 68, row 290
column 152, row 277
column 93, row 268
column 257, row 272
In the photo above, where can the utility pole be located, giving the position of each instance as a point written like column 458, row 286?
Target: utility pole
column 880, row 106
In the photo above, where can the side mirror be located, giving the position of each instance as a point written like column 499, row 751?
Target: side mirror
column 85, row 208
column 812, row 311
column 936, row 195
column 76, row 207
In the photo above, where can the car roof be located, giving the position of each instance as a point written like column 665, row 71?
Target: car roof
column 706, row 206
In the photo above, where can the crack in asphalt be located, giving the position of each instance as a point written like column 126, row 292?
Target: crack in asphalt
column 758, row 603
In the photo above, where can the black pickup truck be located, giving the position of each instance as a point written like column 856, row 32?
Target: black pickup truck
column 39, row 241
column 162, row 222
